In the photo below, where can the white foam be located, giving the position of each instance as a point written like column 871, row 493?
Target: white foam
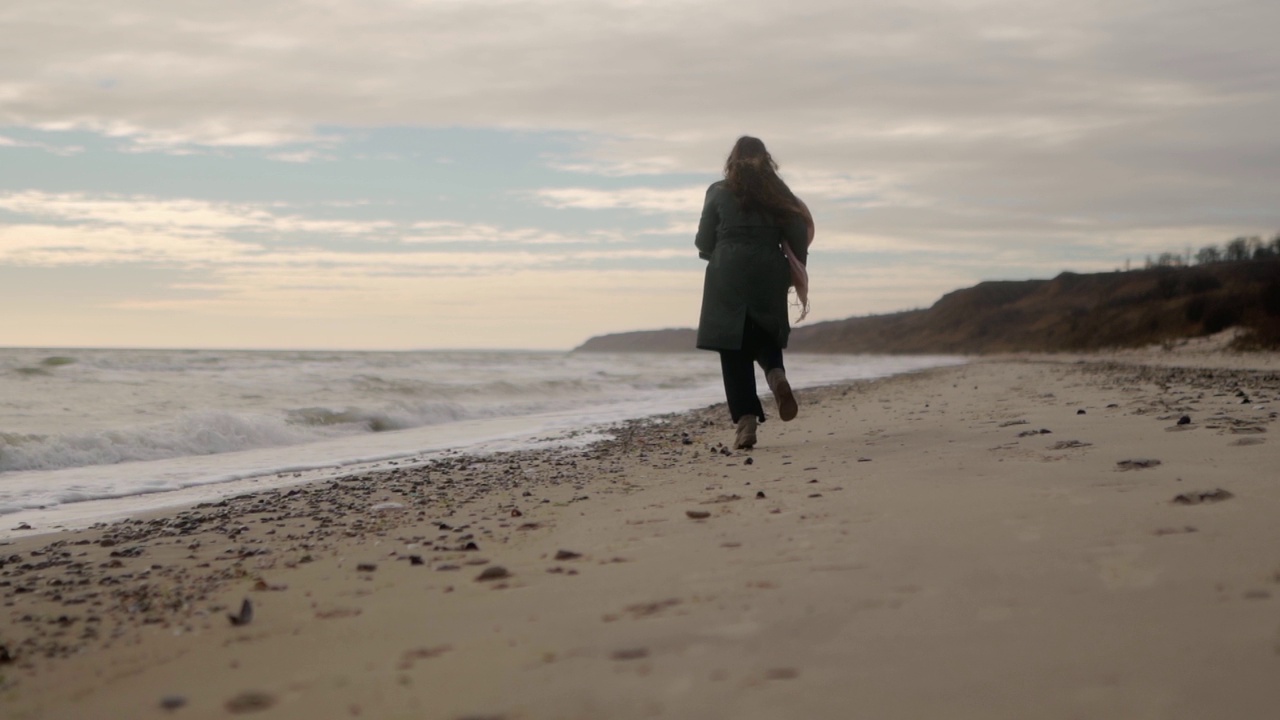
column 219, row 449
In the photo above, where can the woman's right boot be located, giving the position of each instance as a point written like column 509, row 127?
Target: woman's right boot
column 781, row 389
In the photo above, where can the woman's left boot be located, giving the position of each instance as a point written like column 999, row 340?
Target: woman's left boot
column 746, row 437
column 781, row 389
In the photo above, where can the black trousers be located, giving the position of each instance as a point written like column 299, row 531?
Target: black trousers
column 738, row 369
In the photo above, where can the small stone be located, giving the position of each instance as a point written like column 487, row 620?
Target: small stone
column 697, row 514
column 250, row 701
column 366, row 567
column 245, row 616
column 1184, row 420
column 630, row 654
column 567, row 555
column 494, row 572
column 759, row 494
column 416, row 560
column 1080, row 412
column 1202, row 496
column 1137, row 463
column 748, row 461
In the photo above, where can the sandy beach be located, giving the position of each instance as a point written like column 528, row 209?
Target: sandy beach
column 1022, row 537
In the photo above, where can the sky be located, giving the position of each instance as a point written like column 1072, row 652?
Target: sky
column 419, row 174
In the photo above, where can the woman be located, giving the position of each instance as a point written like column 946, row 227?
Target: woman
column 747, row 218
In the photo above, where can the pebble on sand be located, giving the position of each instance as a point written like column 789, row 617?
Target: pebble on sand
column 697, row 514
column 630, row 654
column 495, row 572
column 1137, row 463
column 250, row 701
column 1202, row 496
column 245, row 616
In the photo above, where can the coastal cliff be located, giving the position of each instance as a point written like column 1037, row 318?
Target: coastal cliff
column 1071, row 312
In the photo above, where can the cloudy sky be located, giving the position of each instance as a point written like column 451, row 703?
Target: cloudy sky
column 527, row 173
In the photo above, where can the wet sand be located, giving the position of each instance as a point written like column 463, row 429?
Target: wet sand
column 1019, row 537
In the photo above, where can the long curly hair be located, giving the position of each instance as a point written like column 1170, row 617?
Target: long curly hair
column 752, row 176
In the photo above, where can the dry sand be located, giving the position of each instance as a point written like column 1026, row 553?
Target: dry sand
column 959, row 543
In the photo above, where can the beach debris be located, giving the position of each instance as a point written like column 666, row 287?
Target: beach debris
column 1137, row 463
column 416, row 560
column 515, row 512
column 387, row 507
column 494, row 572
column 1068, row 444
column 23, row 526
column 1202, row 496
column 722, row 499
column 1033, row 433
column 759, row 494
column 250, row 701
column 1080, row 412
column 172, row 702
column 245, row 616
column 864, row 459
column 263, row 586
column 630, row 654
column 649, row 609
column 567, row 555
column 782, row 673
column 1184, row 420
column 410, row 656
column 697, row 514
column 748, row 461
column 366, row 567
column 338, row 613
column 1185, row 529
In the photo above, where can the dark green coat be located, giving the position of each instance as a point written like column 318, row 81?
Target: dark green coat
column 747, row 271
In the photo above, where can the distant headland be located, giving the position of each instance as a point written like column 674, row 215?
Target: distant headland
column 1071, row 312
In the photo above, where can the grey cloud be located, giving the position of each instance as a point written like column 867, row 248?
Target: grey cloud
column 1014, row 118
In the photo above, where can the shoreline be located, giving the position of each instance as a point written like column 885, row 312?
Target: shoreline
column 66, row 495
column 902, row 523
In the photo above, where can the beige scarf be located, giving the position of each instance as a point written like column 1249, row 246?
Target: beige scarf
column 799, row 273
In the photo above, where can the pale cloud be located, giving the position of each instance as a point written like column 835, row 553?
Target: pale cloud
column 939, row 142
column 58, row 246
column 686, row 200
column 442, row 231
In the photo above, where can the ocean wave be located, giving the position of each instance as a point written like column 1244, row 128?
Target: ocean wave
column 200, row 433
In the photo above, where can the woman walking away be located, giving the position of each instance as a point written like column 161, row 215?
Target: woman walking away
column 750, row 221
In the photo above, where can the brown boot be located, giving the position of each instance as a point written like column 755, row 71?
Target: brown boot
column 746, row 438
column 787, row 405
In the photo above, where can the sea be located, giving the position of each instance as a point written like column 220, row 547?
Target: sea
column 95, row 434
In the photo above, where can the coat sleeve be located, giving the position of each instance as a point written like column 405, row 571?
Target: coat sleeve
column 707, row 226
